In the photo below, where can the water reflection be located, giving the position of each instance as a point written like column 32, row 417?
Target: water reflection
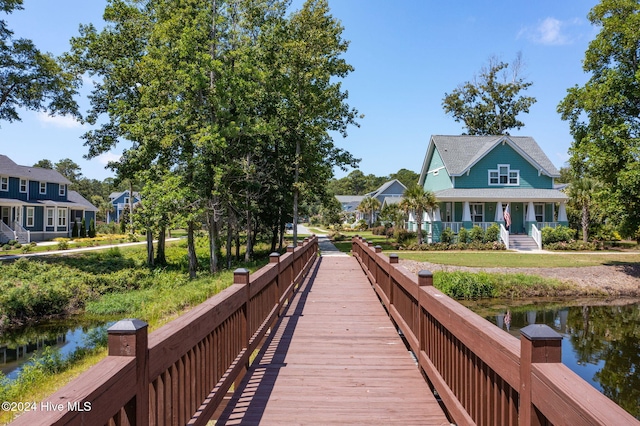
column 601, row 342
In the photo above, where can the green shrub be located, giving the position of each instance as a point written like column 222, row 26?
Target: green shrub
column 361, row 225
column 492, row 234
column 463, row 236
column 63, row 245
column 476, row 234
column 464, row 285
column 402, row 236
column 74, row 230
column 83, row 229
column 446, row 236
column 378, row 230
column 92, row 229
column 557, row 235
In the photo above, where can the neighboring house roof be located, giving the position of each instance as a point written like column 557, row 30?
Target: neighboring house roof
column 349, row 198
column 115, row 195
column 391, row 200
column 460, row 153
column 78, row 199
column 384, row 187
column 10, row 168
column 501, row 194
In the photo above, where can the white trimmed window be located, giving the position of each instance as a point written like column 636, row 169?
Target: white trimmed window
column 503, row 175
column 4, row 183
column 30, row 216
column 62, row 217
column 51, row 217
column 477, row 212
column 62, row 190
column 23, row 185
column 43, row 187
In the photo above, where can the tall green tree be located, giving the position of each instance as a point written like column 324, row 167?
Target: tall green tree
column 406, row 177
column 417, row 201
column 603, row 113
column 29, row 78
column 491, row 103
column 581, row 192
column 369, row 205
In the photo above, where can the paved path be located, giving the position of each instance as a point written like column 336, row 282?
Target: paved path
column 334, row 358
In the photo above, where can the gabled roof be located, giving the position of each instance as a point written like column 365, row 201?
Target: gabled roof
column 391, row 200
column 115, row 195
column 76, row 198
column 9, row 168
column 384, row 187
column 460, row 153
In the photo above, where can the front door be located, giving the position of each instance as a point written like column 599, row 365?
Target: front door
column 517, row 218
column 19, row 215
column 5, row 215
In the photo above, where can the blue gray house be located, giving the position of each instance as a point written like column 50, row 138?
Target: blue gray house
column 482, row 180
column 36, row 204
column 121, row 201
column 389, row 192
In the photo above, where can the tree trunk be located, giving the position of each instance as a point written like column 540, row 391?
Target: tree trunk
column 213, row 241
column 229, row 237
column 585, row 223
column 150, row 259
column 296, row 192
column 131, row 205
column 191, row 250
column 161, row 258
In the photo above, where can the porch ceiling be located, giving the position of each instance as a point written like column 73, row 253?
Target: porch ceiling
column 502, row 194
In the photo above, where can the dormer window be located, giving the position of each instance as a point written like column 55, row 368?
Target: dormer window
column 23, row 186
column 4, row 183
column 504, row 176
column 62, row 190
column 43, row 187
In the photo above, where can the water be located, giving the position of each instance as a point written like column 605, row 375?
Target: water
column 18, row 347
column 601, row 339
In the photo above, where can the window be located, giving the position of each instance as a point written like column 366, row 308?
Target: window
column 4, row 183
column 126, row 200
column 30, row 216
column 43, row 187
column 51, row 217
column 62, row 190
column 62, row 217
column 477, row 212
column 539, row 211
column 23, row 185
column 503, row 175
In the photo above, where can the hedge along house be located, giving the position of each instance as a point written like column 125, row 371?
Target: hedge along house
column 482, row 180
column 36, row 204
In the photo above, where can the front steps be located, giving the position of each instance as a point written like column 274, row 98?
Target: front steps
column 522, row 243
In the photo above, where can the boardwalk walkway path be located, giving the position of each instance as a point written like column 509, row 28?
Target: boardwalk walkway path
column 334, row 358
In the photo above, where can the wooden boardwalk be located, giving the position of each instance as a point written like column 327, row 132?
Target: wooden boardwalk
column 334, row 358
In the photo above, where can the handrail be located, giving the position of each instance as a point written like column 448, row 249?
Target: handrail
column 180, row 373
column 20, row 231
column 537, row 236
column 483, row 374
column 7, row 231
column 504, row 236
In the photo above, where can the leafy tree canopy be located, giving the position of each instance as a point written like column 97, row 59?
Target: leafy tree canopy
column 491, row 103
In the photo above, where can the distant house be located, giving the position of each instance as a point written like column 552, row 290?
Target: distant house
column 36, row 204
column 390, row 191
column 120, row 201
column 482, row 180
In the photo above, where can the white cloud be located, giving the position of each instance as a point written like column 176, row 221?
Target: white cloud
column 62, row 121
column 551, row 31
column 107, row 157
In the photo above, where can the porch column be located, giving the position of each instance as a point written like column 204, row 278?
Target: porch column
column 499, row 217
column 466, row 216
column 562, row 215
column 530, row 220
column 436, row 225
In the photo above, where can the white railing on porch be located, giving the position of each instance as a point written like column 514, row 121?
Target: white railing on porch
column 454, row 226
column 22, row 234
column 548, row 224
column 537, row 236
column 504, row 236
column 483, row 225
column 7, row 232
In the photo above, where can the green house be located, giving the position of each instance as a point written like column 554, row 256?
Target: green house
column 482, row 180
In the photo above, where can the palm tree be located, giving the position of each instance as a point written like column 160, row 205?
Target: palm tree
column 369, row 205
column 417, row 200
column 581, row 192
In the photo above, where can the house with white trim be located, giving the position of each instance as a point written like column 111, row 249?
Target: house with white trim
column 389, row 192
column 36, row 204
column 121, row 201
column 477, row 179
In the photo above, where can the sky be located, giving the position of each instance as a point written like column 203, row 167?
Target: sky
column 407, row 54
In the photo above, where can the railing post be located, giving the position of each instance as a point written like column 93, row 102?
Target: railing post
column 393, row 258
column 275, row 258
column 425, row 278
column 129, row 337
column 539, row 343
column 241, row 276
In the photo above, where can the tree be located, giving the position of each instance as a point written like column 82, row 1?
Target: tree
column 406, row 177
column 417, row 201
column 603, row 113
column 581, row 193
column 491, row 103
column 69, row 169
column 369, row 205
column 44, row 164
column 29, row 78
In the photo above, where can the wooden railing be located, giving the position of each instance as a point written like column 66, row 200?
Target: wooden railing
column 180, row 373
column 483, row 375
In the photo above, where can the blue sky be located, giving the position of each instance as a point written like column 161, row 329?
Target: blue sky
column 407, row 54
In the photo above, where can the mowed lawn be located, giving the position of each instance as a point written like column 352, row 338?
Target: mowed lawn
column 504, row 259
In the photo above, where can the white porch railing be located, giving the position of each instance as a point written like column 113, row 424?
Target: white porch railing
column 504, row 236
column 454, row 226
column 22, row 235
column 483, row 225
column 548, row 224
column 537, row 236
column 6, row 232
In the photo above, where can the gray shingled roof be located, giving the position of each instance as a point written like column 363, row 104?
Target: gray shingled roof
column 76, row 198
column 9, row 168
column 501, row 194
column 459, row 153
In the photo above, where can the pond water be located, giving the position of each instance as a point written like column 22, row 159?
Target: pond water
column 18, row 347
column 600, row 338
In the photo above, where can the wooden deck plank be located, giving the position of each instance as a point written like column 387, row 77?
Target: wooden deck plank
column 334, row 358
